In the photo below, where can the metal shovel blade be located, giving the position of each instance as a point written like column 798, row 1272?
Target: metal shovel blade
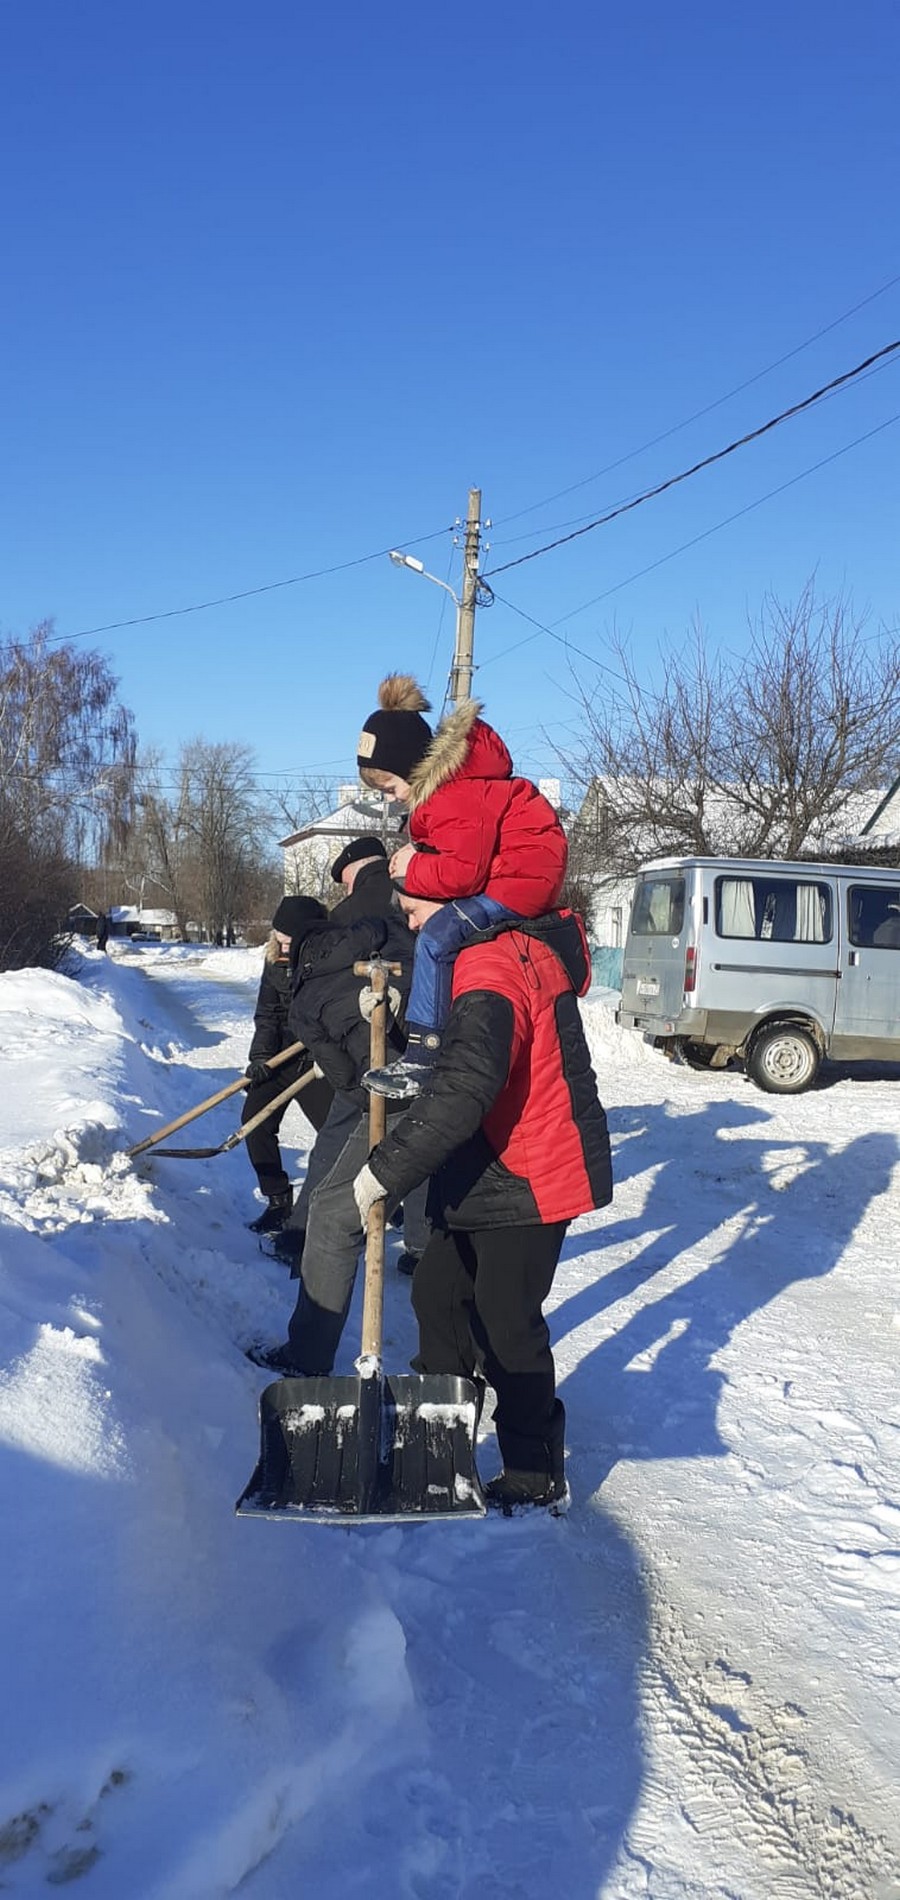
column 366, row 1449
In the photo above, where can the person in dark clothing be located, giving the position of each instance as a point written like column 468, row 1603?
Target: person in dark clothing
column 102, row 930
column 272, row 1034
column 326, row 1012
column 512, row 1131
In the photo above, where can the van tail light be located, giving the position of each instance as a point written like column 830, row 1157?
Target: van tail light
column 690, row 969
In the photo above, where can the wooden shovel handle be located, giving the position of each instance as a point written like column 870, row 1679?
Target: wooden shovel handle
column 373, row 1298
column 221, row 1095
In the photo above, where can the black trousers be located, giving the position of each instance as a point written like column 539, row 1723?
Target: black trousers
column 478, row 1297
column 262, row 1147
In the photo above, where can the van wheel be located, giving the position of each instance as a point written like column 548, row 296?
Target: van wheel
column 784, row 1059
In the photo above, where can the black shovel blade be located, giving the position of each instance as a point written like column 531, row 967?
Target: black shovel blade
column 362, row 1450
column 185, row 1154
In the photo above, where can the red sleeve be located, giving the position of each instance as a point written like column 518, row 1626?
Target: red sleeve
column 462, row 851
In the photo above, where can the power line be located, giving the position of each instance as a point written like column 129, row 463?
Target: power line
column 700, row 413
column 708, row 461
column 673, row 552
column 726, row 523
column 225, row 600
column 576, row 520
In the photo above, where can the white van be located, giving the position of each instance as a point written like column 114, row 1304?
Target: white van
column 777, row 964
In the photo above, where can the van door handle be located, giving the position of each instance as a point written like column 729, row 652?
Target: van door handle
column 853, row 958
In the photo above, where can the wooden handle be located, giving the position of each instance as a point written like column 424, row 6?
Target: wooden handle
column 240, row 1134
column 373, row 1298
column 221, row 1095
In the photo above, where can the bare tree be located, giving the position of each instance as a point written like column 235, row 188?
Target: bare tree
column 295, row 803
column 755, row 756
column 67, row 745
column 205, row 842
column 66, row 784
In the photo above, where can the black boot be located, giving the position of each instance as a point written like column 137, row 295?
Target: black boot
column 533, row 1470
column 287, row 1246
column 274, row 1215
column 513, row 1491
column 402, row 1081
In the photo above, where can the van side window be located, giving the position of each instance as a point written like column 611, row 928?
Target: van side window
column 658, row 907
column 773, row 909
column 874, row 916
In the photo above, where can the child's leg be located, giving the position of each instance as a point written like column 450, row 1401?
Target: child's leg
column 437, row 944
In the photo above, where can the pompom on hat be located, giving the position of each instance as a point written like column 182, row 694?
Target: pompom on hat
column 396, row 737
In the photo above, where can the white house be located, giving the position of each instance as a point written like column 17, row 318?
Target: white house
column 310, row 852
column 130, row 920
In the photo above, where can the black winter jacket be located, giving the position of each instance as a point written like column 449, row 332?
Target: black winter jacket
column 510, row 1124
column 271, row 1033
column 324, row 1010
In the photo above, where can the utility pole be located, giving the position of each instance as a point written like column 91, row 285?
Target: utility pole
column 461, row 671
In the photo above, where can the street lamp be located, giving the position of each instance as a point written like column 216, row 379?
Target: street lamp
column 461, row 671
column 418, row 567
column 462, row 668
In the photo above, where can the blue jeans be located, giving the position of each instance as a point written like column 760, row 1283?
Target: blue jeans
column 437, row 944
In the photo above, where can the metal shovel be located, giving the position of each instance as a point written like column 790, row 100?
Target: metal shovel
column 376, row 1446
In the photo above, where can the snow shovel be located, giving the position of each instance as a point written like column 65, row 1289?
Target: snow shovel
column 376, row 1447
column 240, row 1134
column 221, row 1095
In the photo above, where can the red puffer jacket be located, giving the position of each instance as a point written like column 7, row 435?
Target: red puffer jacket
column 477, row 828
column 510, row 1122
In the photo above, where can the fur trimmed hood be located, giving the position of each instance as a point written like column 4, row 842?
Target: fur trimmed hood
column 462, row 745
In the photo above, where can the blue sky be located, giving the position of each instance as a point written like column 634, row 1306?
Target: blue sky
column 283, row 283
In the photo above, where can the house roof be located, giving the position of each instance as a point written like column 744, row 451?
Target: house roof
column 349, row 820
column 853, row 823
column 885, row 819
column 132, row 914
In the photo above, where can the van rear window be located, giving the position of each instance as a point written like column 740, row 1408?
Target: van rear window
column 777, row 909
column 658, row 909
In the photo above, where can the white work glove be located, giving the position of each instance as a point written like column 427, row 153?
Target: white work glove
column 367, row 1189
column 368, row 1001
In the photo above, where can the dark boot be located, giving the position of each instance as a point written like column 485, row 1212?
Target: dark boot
column 287, row 1246
column 527, row 1490
column 274, row 1215
column 402, row 1081
column 533, row 1471
column 407, row 1262
column 277, row 1359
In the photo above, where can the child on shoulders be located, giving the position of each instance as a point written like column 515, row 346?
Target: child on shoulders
column 486, row 844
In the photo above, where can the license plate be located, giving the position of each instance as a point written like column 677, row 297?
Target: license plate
column 647, row 986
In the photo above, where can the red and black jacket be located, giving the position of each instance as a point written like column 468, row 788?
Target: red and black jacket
column 511, row 1123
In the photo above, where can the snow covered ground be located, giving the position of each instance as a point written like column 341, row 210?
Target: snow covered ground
column 686, row 1690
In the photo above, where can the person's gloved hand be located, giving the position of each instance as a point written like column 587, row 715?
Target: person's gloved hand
column 258, row 1072
column 368, row 1000
column 367, row 1189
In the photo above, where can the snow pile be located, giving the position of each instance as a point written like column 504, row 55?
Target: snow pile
column 687, row 1690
